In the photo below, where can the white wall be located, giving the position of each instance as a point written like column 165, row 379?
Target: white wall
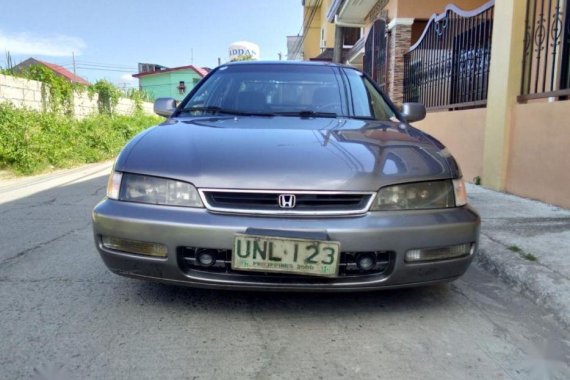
column 28, row 93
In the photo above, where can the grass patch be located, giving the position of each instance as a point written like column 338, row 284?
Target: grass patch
column 31, row 141
column 522, row 253
column 528, row 256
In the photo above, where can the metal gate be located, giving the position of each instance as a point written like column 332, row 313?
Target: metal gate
column 375, row 53
column 448, row 67
column 546, row 58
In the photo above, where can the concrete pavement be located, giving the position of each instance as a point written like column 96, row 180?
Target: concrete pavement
column 527, row 243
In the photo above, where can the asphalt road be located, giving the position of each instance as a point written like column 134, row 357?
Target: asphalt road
column 63, row 315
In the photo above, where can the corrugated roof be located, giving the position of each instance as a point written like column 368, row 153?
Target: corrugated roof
column 65, row 73
column 58, row 70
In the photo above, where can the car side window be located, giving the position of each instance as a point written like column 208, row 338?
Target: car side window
column 209, row 94
column 379, row 106
column 366, row 100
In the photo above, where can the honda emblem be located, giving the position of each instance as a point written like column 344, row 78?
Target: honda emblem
column 287, row 200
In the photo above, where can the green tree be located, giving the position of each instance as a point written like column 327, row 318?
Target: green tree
column 242, row 57
column 108, row 96
column 56, row 88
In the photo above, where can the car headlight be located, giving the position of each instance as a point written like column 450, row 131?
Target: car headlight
column 154, row 190
column 421, row 195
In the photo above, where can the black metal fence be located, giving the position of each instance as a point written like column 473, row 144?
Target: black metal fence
column 375, row 53
column 546, row 62
column 449, row 65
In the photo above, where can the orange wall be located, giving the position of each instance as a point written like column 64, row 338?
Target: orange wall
column 462, row 132
column 539, row 160
column 328, row 26
column 424, row 9
column 311, row 43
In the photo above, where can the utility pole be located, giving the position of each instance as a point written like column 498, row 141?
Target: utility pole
column 219, row 61
column 74, row 73
column 338, row 37
column 280, row 55
column 191, row 56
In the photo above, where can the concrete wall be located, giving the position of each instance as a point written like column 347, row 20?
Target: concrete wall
column 28, row 93
column 539, row 160
column 538, row 156
column 21, row 92
column 463, row 133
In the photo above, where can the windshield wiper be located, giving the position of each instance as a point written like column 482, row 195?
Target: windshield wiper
column 361, row 117
column 219, row 110
column 306, row 113
column 210, row 109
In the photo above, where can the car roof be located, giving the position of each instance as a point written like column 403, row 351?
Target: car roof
column 293, row 63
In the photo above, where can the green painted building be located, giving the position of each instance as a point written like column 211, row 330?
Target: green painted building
column 163, row 82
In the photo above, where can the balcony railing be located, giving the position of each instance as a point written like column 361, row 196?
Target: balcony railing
column 546, row 61
column 449, row 65
column 357, row 48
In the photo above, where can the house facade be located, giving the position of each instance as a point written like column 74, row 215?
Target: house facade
column 494, row 76
column 162, row 82
column 386, row 28
column 293, row 51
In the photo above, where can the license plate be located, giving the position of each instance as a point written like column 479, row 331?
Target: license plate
column 285, row 255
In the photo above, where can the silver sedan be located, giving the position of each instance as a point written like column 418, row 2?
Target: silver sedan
column 286, row 176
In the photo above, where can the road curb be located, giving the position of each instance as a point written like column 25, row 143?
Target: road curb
column 20, row 187
column 545, row 286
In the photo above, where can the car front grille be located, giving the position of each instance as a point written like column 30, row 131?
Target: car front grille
column 305, row 203
column 187, row 260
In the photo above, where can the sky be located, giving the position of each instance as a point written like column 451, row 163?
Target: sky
column 109, row 38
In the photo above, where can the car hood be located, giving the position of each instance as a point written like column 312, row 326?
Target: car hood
column 287, row 153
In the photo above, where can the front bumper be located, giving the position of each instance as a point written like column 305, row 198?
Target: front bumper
column 177, row 227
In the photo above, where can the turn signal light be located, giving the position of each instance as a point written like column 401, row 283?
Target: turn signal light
column 135, row 246
column 434, row 254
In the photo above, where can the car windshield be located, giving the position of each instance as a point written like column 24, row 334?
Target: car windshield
column 287, row 90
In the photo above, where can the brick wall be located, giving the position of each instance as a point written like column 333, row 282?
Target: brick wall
column 400, row 39
column 28, row 93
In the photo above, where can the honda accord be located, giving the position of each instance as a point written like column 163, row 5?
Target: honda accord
column 286, row 176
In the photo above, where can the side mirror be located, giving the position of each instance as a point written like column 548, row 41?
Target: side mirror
column 413, row 112
column 164, row 106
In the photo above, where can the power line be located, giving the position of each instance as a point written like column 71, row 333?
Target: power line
column 306, row 27
column 108, row 66
column 104, row 64
column 105, row 69
column 84, row 65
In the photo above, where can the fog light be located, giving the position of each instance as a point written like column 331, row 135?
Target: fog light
column 366, row 261
column 206, row 259
column 135, row 246
column 433, row 254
